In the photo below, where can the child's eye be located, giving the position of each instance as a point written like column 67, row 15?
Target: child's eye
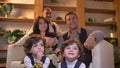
column 35, row 45
column 75, row 48
column 67, row 47
column 42, row 44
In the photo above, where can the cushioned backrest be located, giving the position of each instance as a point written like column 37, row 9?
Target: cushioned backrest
column 14, row 53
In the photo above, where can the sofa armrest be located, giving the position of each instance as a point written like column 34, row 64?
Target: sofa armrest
column 14, row 53
column 17, row 64
column 103, row 55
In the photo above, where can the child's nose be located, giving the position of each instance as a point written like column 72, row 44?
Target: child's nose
column 71, row 49
column 39, row 47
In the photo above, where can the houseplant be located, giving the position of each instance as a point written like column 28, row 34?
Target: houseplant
column 14, row 36
column 6, row 8
column 111, row 24
column 117, row 57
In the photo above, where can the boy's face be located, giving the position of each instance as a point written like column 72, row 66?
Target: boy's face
column 37, row 48
column 71, row 52
column 71, row 21
column 50, row 40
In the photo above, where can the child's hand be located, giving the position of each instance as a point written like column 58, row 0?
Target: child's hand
column 39, row 57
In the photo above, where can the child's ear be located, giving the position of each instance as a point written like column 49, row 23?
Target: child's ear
column 30, row 51
column 78, row 55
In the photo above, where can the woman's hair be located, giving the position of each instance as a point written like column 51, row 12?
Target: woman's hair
column 36, row 29
column 33, row 39
column 70, row 42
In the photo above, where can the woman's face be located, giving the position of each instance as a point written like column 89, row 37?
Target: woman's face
column 42, row 25
column 71, row 52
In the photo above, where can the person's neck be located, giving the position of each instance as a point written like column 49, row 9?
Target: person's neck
column 71, row 60
column 42, row 33
column 73, row 31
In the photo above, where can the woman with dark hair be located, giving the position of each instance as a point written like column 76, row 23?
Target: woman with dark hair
column 41, row 26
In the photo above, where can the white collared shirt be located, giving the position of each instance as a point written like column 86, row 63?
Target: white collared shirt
column 72, row 64
column 27, row 62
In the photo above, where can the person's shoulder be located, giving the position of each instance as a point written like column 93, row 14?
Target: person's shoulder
column 59, row 65
column 54, row 23
column 47, row 60
column 82, row 65
column 26, row 57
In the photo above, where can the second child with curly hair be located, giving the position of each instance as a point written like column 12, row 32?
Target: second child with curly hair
column 71, row 53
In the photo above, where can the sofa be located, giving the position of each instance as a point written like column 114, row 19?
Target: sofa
column 102, row 56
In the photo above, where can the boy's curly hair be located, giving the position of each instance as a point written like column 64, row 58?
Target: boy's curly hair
column 33, row 39
column 69, row 42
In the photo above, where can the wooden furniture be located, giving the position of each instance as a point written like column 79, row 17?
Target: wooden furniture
column 117, row 16
column 15, row 19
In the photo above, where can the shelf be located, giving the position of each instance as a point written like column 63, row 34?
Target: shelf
column 2, row 65
column 105, row 11
column 87, row 23
column 9, row 19
column 104, row 0
column 59, row 21
column 96, row 24
column 61, row 8
column 3, row 49
column 21, row 5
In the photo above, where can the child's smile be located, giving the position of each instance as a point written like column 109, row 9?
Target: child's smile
column 71, row 51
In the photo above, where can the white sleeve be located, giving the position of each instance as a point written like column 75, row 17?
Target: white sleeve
column 27, row 62
column 59, row 65
column 82, row 65
column 47, row 62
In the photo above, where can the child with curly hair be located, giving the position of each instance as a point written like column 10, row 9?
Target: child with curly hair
column 34, row 49
column 71, row 53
